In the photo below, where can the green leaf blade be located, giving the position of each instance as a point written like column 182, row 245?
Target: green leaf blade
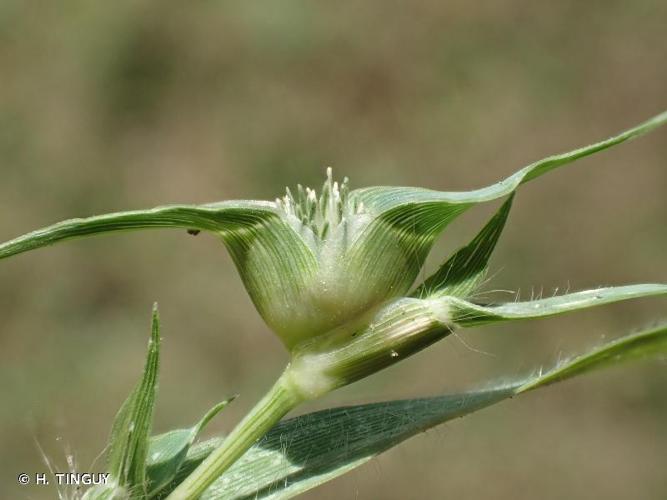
column 463, row 272
column 545, row 165
column 129, row 442
column 468, row 314
column 652, row 342
column 168, row 451
column 382, row 199
column 219, row 217
column 301, row 453
column 404, row 221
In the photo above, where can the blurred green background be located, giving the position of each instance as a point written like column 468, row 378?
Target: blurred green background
column 107, row 106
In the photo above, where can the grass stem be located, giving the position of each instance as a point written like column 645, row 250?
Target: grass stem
column 275, row 404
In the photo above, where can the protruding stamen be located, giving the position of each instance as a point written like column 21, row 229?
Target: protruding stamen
column 322, row 213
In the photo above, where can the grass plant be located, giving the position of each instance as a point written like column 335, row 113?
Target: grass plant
column 333, row 276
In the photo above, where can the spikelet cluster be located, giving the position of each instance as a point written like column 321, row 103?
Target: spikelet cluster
column 324, row 213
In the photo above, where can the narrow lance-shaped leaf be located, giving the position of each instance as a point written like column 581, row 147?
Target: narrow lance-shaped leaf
column 464, row 271
column 130, row 433
column 403, row 222
column 382, row 199
column 166, row 452
column 275, row 263
column 219, row 217
column 464, row 313
column 405, row 326
column 304, row 452
column 647, row 343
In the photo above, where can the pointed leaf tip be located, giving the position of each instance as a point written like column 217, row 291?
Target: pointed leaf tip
column 464, row 271
column 168, row 451
column 209, row 415
column 381, row 199
column 416, row 216
column 130, row 433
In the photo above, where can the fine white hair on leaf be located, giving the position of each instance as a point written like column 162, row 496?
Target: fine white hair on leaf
column 441, row 311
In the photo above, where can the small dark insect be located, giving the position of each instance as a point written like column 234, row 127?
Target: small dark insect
column 194, row 232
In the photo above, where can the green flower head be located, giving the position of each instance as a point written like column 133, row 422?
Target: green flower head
column 325, row 261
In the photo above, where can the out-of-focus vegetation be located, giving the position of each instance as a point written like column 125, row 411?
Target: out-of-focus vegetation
column 115, row 105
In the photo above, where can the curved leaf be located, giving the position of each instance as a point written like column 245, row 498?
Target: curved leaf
column 405, row 220
column 382, row 199
column 166, row 452
column 273, row 260
column 219, row 217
